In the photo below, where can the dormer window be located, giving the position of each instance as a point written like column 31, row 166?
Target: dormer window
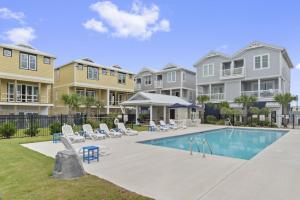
column 79, row 66
column 261, row 62
column 7, row 52
column 46, row 60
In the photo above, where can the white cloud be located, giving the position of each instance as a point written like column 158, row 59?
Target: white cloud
column 20, row 35
column 140, row 22
column 298, row 66
column 95, row 25
column 6, row 13
column 222, row 47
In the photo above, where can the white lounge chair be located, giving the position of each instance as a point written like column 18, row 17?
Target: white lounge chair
column 68, row 132
column 126, row 131
column 152, row 126
column 163, row 125
column 173, row 124
column 88, row 131
column 110, row 133
column 68, row 144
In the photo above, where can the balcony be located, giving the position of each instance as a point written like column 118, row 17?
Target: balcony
column 6, row 97
column 114, row 103
column 233, row 73
column 262, row 93
column 158, row 84
column 214, row 96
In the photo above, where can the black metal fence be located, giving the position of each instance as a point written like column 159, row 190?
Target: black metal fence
column 16, row 126
column 291, row 121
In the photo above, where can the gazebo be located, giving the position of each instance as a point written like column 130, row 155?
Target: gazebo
column 159, row 106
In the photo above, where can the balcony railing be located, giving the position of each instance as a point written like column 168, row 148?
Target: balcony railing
column 115, row 103
column 158, row 84
column 5, row 97
column 214, row 96
column 232, row 72
column 262, row 93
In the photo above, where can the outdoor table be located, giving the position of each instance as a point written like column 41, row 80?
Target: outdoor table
column 90, row 153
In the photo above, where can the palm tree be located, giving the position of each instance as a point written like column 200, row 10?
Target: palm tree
column 99, row 105
column 88, row 102
column 284, row 100
column 72, row 101
column 201, row 100
column 246, row 102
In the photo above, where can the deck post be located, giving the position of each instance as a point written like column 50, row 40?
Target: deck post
column 151, row 112
column 165, row 114
column 107, row 101
column 136, row 114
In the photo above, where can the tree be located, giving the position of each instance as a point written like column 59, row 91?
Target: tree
column 201, row 100
column 246, row 102
column 99, row 105
column 254, row 111
column 284, row 100
column 265, row 111
column 88, row 102
column 72, row 101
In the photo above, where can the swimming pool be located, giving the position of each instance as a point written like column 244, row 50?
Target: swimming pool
column 236, row 143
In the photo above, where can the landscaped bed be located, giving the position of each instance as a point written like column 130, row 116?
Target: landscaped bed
column 25, row 174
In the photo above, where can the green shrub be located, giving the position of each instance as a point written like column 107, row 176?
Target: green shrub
column 33, row 130
column 211, row 119
column 93, row 123
column 238, row 123
column 109, row 122
column 55, row 127
column 8, row 129
column 220, row 122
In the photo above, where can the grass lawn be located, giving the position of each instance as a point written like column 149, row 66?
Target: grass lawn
column 25, row 174
column 139, row 128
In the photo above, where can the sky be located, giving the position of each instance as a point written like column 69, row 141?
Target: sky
column 148, row 33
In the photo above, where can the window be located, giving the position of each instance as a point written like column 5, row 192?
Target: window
column 10, row 92
column 112, row 72
column 268, row 85
column 104, row 71
column 121, row 78
column 238, row 63
column 171, row 76
column 148, row 80
column 183, row 76
column 46, row 60
column 28, row 61
column 79, row 66
column 261, row 62
column 226, row 65
column 138, row 81
column 93, row 73
column 208, row 70
column 91, row 94
column 7, row 52
column 130, row 76
column 80, row 93
column 32, row 62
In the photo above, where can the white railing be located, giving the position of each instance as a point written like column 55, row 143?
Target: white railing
column 115, row 103
column 239, row 71
column 5, row 97
column 138, row 86
column 158, row 84
column 262, row 93
column 214, row 96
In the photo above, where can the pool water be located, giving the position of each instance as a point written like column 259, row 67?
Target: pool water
column 236, row 143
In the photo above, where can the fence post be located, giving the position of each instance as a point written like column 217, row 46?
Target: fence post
column 61, row 119
column 293, row 121
column 233, row 120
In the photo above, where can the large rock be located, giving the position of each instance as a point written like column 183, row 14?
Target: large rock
column 67, row 165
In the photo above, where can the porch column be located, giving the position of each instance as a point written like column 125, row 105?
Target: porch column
column 15, row 90
column 209, row 90
column 279, row 85
column 84, row 92
column 165, row 113
column 181, row 92
column 136, row 114
column 107, row 101
column 0, row 91
column 39, row 92
column 258, row 85
column 171, row 93
column 151, row 113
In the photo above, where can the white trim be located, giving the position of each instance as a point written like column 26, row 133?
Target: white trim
column 261, row 61
column 25, row 104
column 79, row 84
column 5, row 75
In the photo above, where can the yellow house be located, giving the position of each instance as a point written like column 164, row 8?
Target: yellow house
column 26, row 80
column 108, row 85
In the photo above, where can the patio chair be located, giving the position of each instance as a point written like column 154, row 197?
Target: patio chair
column 164, row 126
column 68, row 132
column 152, row 126
column 109, row 133
column 126, row 131
column 173, row 124
column 88, row 130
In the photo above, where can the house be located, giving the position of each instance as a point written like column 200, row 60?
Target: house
column 171, row 80
column 259, row 69
column 161, row 107
column 108, row 85
column 26, row 80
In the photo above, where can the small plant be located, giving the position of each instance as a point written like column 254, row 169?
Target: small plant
column 108, row 121
column 220, row 122
column 55, row 127
column 33, row 130
column 8, row 129
column 211, row 119
column 93, row 123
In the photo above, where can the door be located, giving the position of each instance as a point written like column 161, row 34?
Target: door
column 172, row 113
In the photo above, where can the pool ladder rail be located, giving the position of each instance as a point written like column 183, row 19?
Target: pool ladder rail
column 228, row 123
column 203, row 143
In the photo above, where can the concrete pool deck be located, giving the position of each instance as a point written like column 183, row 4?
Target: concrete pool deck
column 166, row 173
